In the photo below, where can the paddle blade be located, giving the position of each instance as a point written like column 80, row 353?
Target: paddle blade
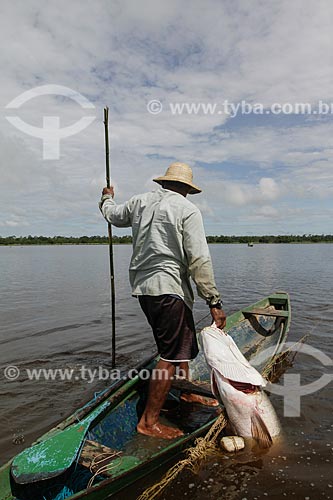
column 54, row 455
column 49, row 458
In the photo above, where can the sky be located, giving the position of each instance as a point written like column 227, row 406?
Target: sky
column 261, row 172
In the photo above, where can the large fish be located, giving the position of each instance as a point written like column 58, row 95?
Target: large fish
column 240, row 388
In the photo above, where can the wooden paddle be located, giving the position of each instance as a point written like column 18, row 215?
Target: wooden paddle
column 55, row 455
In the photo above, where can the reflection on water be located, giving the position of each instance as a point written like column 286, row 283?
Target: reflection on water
column 55, row 311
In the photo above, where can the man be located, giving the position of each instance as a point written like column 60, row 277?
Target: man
column 169, row 247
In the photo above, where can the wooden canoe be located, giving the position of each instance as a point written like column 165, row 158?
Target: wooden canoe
column 129, row 456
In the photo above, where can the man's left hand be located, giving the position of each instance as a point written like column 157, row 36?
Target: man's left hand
column 219, row 317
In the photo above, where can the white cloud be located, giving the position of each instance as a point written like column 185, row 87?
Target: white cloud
column 241, row 194
column 266, row 211
column 123, row 54
column 268, row 188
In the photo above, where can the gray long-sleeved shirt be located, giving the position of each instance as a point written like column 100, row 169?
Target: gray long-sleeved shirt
column 169, row 245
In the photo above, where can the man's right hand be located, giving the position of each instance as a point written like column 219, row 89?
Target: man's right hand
column 109, row 190
column 219, row 317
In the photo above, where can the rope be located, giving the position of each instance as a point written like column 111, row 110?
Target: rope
column 105, row 468
column 204, row 446
column 270, row 371
column 207, row 445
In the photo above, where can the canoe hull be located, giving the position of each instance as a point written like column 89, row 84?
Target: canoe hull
column 251, row 339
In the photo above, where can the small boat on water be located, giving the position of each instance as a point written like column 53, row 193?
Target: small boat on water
column 96, row 452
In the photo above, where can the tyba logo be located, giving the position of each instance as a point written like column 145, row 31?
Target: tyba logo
column 50, row 132
column 292, row 390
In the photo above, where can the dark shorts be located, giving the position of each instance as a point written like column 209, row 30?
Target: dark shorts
column 173, row 327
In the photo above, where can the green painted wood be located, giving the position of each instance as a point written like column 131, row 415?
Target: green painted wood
column 5, row 490
column 237, row 326
column 53, row 456
column 267, row 312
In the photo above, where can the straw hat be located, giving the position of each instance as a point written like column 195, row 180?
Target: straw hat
column 179, row 172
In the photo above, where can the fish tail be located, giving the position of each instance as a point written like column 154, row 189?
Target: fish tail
column 259, row 431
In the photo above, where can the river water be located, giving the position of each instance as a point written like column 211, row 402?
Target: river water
column 55, row 313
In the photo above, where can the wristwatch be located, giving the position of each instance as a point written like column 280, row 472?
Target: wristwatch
column 215, row 303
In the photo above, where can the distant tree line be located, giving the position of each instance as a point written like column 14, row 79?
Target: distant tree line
column 305, row 238
column 98, row 240
column 62, row 240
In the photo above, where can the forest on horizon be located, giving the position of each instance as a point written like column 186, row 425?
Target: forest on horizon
column 127, row 239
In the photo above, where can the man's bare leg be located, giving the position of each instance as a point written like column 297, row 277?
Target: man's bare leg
column 159, row 387
column 194, row 398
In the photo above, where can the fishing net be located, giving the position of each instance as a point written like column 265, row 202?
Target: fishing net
column 204, row 446
column 207, row 445
column 280, row 362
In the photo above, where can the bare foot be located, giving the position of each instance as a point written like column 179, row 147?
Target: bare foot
column 159, row 430
column 195, row 398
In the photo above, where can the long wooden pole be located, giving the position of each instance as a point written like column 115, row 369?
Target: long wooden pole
column 113, row 293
